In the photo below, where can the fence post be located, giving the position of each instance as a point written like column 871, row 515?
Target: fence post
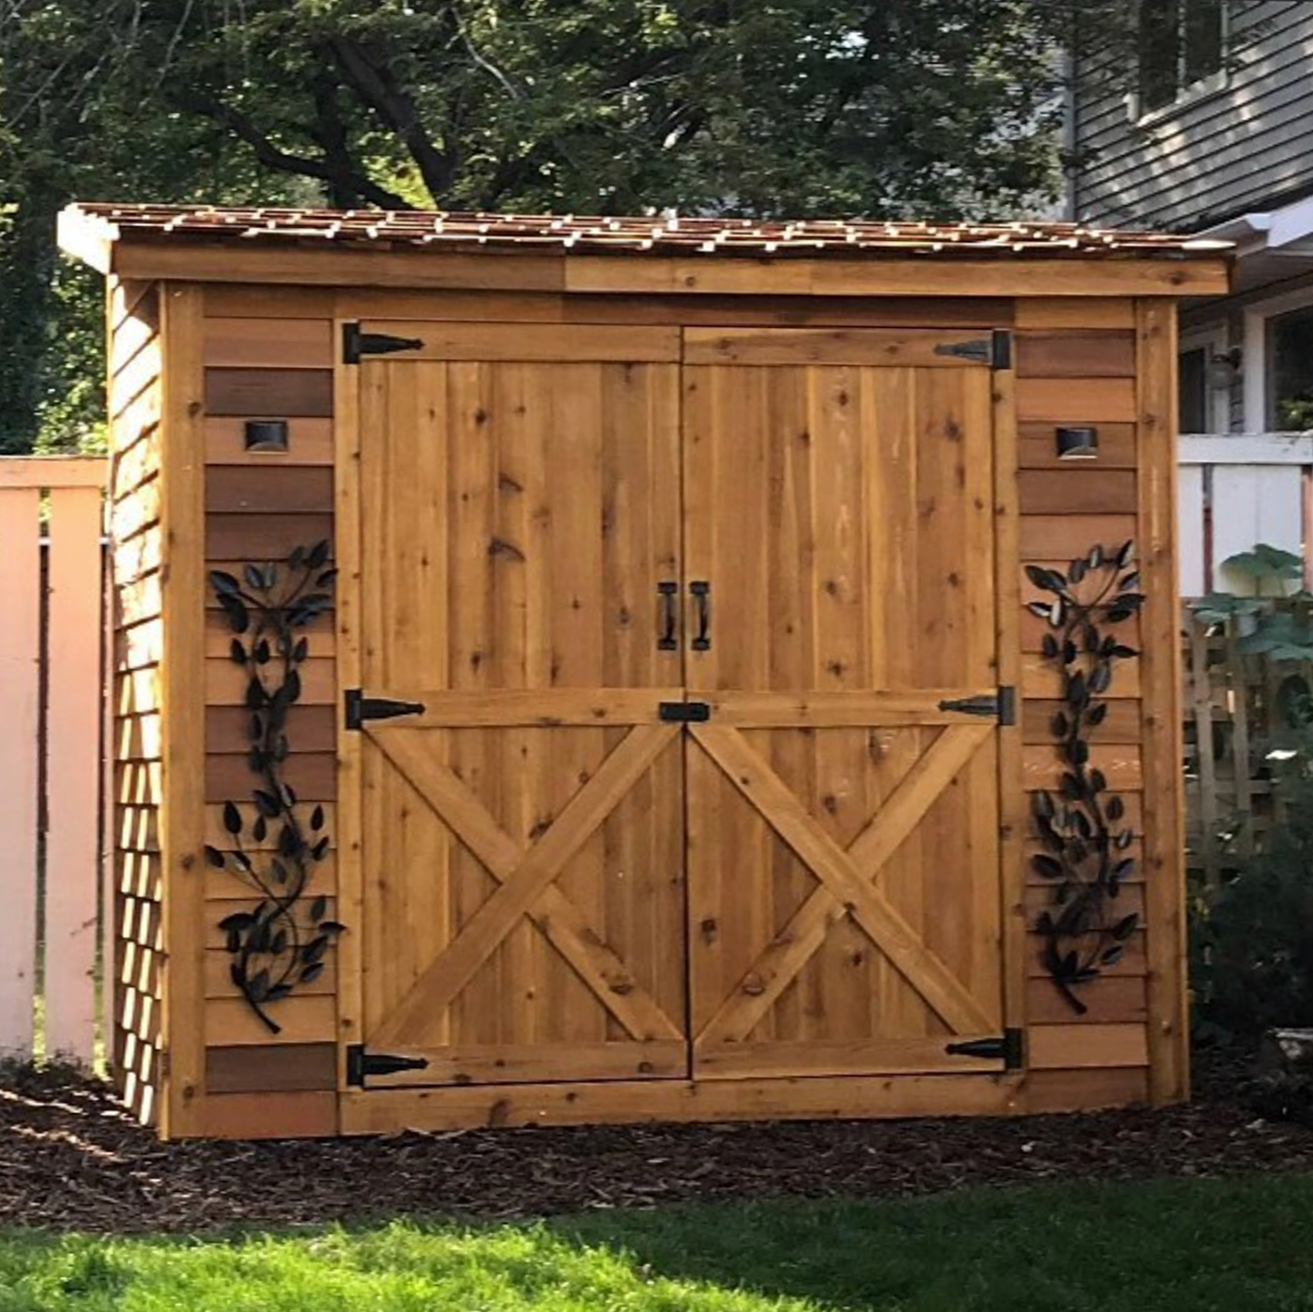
column 73, row 772
column 20, row 619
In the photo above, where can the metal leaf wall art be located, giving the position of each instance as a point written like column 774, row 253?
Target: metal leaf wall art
column 1082, row 825
column 273, row 847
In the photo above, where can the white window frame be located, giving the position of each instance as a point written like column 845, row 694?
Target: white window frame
column 1211, row 339
column 1256, row 361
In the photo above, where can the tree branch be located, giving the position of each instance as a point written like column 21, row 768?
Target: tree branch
column 396, row 108
column 337, row 170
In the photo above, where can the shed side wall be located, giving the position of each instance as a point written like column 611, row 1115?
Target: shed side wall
column 275, row 363
column 137, row 639
column 1078, row 365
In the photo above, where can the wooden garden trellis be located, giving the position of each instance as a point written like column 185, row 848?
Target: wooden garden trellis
column 1237, row 710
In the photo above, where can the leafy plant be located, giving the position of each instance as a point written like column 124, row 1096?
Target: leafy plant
column 271, row 952
column 1252, row 939
column 1279, row 632
column 1086, row 845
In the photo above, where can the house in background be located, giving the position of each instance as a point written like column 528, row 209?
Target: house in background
column 1209, row 130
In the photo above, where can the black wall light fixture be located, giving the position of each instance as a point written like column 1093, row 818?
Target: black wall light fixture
column 1077, row 443
column 266, row 435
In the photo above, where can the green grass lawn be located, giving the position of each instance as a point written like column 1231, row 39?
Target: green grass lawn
column 1196, row 1245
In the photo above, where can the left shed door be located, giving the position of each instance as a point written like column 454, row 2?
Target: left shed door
column 523, row 834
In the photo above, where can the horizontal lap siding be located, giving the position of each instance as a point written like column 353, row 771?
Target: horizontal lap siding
column 1075, row 365
column 1211, row 156
column 135, row 558
column 268, row 354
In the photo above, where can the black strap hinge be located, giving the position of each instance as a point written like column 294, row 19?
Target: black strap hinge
column 1009, row 1048
column 1000, row 706
column 355, row 343
column 359, row 708
column 684, row 712
column 994, row 350
column 360, row 1064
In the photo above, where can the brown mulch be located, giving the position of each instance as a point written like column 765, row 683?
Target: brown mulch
column 71, row 1158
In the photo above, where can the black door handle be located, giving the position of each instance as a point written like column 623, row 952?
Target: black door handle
column 669, row 616
column 702, row 601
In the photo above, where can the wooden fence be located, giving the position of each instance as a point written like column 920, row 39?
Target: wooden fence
column 51, row 727
column 1237, row 491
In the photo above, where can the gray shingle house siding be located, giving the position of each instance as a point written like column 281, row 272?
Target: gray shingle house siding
column 1245, row 145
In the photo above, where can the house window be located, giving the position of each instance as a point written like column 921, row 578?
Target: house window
column 1181, row 45
column 1290, row 371
column 1192, row 382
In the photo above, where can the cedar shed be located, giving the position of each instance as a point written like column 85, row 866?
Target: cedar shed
column 581, row 670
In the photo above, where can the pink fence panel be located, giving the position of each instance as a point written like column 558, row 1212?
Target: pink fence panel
column 51, row 753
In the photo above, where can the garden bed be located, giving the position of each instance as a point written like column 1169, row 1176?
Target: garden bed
column 72, row 1159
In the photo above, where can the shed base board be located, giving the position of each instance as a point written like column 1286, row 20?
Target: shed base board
column 385, row 1111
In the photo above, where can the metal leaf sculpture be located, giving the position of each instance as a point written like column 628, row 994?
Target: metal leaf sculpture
column 1085, row 858
column 274, row 847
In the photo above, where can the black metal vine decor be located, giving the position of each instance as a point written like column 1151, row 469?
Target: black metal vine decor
column 273, row 949
column 1080, row 827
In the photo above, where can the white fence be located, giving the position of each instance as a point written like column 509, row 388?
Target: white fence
column 51, row 715
column 1237, row 491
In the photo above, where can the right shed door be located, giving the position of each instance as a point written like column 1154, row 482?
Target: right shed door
column 843, row 827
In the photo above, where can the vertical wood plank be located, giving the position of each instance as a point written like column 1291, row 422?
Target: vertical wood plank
column 1241, row 767
column 1011, row 786
column 1201, row 696
column 182, row 818
column 1160, row 673
column 73, row 768
column 350, row 763
column 110, row 953
column 20, row 583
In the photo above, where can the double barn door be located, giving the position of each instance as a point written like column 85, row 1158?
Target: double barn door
column 656, row 625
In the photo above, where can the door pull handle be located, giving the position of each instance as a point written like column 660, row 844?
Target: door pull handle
column 669, row 616
column 702, row 601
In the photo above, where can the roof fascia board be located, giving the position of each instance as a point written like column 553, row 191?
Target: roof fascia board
column 1005, row 275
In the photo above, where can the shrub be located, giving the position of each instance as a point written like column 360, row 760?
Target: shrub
column 1252, row 939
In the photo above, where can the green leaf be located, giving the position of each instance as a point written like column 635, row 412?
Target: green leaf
column 232, row 818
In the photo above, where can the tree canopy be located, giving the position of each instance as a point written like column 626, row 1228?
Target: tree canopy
column 888, row 108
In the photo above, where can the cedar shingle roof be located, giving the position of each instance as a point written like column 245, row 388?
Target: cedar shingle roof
column 654, row 235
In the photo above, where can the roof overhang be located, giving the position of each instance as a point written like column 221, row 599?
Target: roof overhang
column 1270, row 245
column 155, row 248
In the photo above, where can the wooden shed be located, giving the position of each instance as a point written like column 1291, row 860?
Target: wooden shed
column 588, row 670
